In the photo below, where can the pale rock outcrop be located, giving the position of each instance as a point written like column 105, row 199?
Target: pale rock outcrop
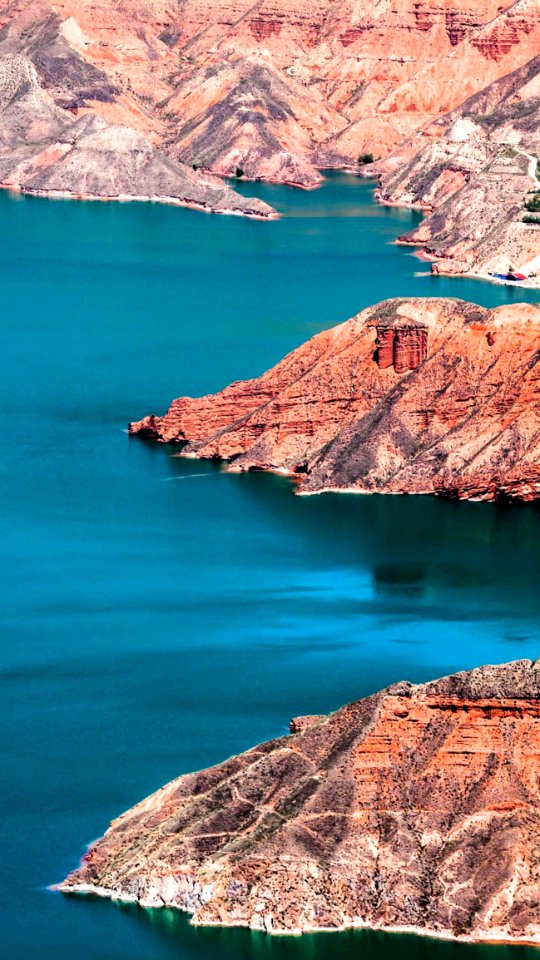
column 472, row 173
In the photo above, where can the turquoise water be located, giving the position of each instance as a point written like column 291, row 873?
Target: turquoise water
column 154, row 621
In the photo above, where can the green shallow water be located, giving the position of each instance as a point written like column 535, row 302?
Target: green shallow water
column 159, row 615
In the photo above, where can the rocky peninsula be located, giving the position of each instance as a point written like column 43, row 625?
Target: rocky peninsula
column 415, row 809
column 433, row 396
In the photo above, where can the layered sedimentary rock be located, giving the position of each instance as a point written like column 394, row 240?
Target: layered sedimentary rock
column 281, row 91
column 410, row 396
column 416, row 808
column 472, row 172
column 401, row 347
column 276, row 89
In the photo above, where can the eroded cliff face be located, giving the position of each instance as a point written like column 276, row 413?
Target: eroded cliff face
column 472, row 172
column 276, row 89
column 411, row 396
column 416, row 808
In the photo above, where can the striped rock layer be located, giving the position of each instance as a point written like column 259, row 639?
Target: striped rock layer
column 410, row 396
column 416, row 808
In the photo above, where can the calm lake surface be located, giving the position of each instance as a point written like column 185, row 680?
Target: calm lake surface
column 159, row 615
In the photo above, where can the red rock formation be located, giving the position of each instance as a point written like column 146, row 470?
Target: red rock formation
column 410, row 348
column 350, row 79
column 263, row 29
column 403, row 348
column 410, row 396
column 385, row 346
column 299, row 724
column 457, row 27
column 352, row 34
column 416, row 809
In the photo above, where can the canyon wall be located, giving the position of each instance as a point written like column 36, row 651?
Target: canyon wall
column 276, row 90
column 281, row 92
column 282, row 89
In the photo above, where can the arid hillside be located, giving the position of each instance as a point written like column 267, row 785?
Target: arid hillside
column 475, row 171
column 276, row 89
column 410, row 396
column 415, row 808
column 148, row 98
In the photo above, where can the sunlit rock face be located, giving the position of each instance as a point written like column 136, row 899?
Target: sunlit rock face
column 402, row 347
column 415, row 808
column 411, row 396
column 277, row 90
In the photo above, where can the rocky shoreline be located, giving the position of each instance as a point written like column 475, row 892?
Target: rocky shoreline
column 425, row 396
column 412, row 810
column 257, row 213
column 496, row 938
column 155, row 102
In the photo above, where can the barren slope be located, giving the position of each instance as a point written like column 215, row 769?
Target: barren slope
column 276, row 89
column 473, row 171
column 410, row 396
column 415, row 808
column 45, row 149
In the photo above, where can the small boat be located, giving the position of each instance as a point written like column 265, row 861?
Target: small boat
column 513, row 277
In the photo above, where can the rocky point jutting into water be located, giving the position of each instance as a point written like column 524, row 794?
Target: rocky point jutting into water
column 45, row 150
column 416, row 808
column 410, row 396
column 137, row 99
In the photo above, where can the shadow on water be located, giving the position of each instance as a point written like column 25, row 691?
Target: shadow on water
column 173, row 928
column 368, row 574
column 409, row 541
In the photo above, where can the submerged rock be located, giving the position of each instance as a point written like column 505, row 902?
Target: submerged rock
column 410, row 396
column 416, row 808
